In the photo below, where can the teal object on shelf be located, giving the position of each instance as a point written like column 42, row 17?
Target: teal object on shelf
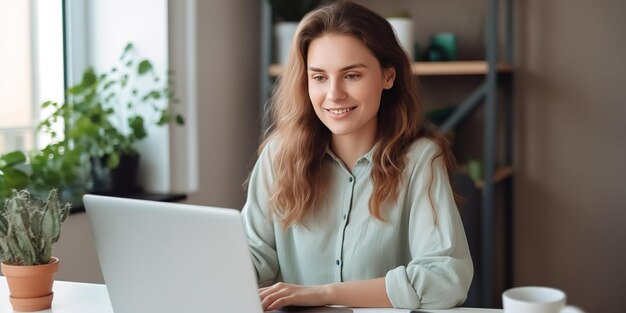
column 445, row 42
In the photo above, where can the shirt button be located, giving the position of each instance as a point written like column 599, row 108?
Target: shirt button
column 350, row 179
column 337, row 262
column 344, row 216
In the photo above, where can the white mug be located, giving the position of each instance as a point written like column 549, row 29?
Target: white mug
column 536, row 300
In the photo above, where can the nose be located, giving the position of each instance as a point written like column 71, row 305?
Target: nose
column 336, row 90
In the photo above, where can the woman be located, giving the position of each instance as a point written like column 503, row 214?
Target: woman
column 350, row 202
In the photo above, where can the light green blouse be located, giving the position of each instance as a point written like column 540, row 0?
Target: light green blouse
column 425, row 264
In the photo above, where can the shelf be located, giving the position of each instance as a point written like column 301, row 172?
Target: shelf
column 501, row 174
column 435, row 68
column 457, row 68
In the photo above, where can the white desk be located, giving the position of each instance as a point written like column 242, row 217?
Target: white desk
column 70, row 297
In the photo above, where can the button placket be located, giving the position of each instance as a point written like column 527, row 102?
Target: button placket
column 346, row 211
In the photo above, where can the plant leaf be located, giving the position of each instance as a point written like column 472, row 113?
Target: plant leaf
column 137, row 125
column 113, row 160
column 12, row 158
column 144, row 67
column 180, row 120
column 88, row 80
column 128, row 48
column 108, row 85
column 14, row 178
column 164, row 119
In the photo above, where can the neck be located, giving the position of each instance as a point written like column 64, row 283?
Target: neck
column 350, row 148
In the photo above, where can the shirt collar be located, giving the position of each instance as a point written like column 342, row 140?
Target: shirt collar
column 367, row 157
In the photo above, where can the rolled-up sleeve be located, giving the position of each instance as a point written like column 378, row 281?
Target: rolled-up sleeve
column 441, row 270
column 258, row 223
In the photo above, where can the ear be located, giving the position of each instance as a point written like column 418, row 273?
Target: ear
column 389, row 76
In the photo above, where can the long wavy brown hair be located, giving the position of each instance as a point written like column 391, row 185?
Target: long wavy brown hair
column 300, row 180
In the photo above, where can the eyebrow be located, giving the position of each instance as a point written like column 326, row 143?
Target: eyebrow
column 345, row 68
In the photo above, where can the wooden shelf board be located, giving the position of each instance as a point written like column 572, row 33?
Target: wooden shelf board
column 435, row 68
column 457, row 68
column 501, row 174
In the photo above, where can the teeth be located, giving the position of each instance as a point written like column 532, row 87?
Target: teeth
column 341, row 111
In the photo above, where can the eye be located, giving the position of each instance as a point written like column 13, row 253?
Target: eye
column 318, row 78
column 352, row 76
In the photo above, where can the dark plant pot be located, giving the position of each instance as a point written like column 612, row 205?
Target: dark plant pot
column 118, row 181
column 124, row 177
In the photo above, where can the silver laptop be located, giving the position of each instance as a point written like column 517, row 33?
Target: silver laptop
column 162, row 257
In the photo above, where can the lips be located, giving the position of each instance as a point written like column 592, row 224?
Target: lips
column 340, row 111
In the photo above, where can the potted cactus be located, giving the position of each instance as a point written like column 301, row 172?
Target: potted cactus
column 28, row 230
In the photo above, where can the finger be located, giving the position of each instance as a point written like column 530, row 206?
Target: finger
column 271, row 298
column 263, row 292
column 279, row 284
column 281, row 302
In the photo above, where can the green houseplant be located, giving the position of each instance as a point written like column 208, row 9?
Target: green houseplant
column 55, row 166
column 28, row 230
column 104, row 117
column 108, row 113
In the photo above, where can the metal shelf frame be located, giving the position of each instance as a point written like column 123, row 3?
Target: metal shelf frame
column 486, row 94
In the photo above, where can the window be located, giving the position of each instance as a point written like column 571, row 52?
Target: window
column 31, row 59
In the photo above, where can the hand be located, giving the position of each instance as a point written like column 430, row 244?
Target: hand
column 281, row 294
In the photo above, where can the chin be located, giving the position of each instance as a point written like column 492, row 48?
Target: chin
column 339, row 131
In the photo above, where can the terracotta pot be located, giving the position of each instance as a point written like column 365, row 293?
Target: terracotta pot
column 31, row 286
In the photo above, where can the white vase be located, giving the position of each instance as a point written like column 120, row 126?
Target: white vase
column 403, row 27
column 284, row 33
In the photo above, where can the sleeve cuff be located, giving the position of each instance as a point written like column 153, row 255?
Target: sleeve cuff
column 399, row 289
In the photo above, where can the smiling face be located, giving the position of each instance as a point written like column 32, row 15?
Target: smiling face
column 346, row 82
